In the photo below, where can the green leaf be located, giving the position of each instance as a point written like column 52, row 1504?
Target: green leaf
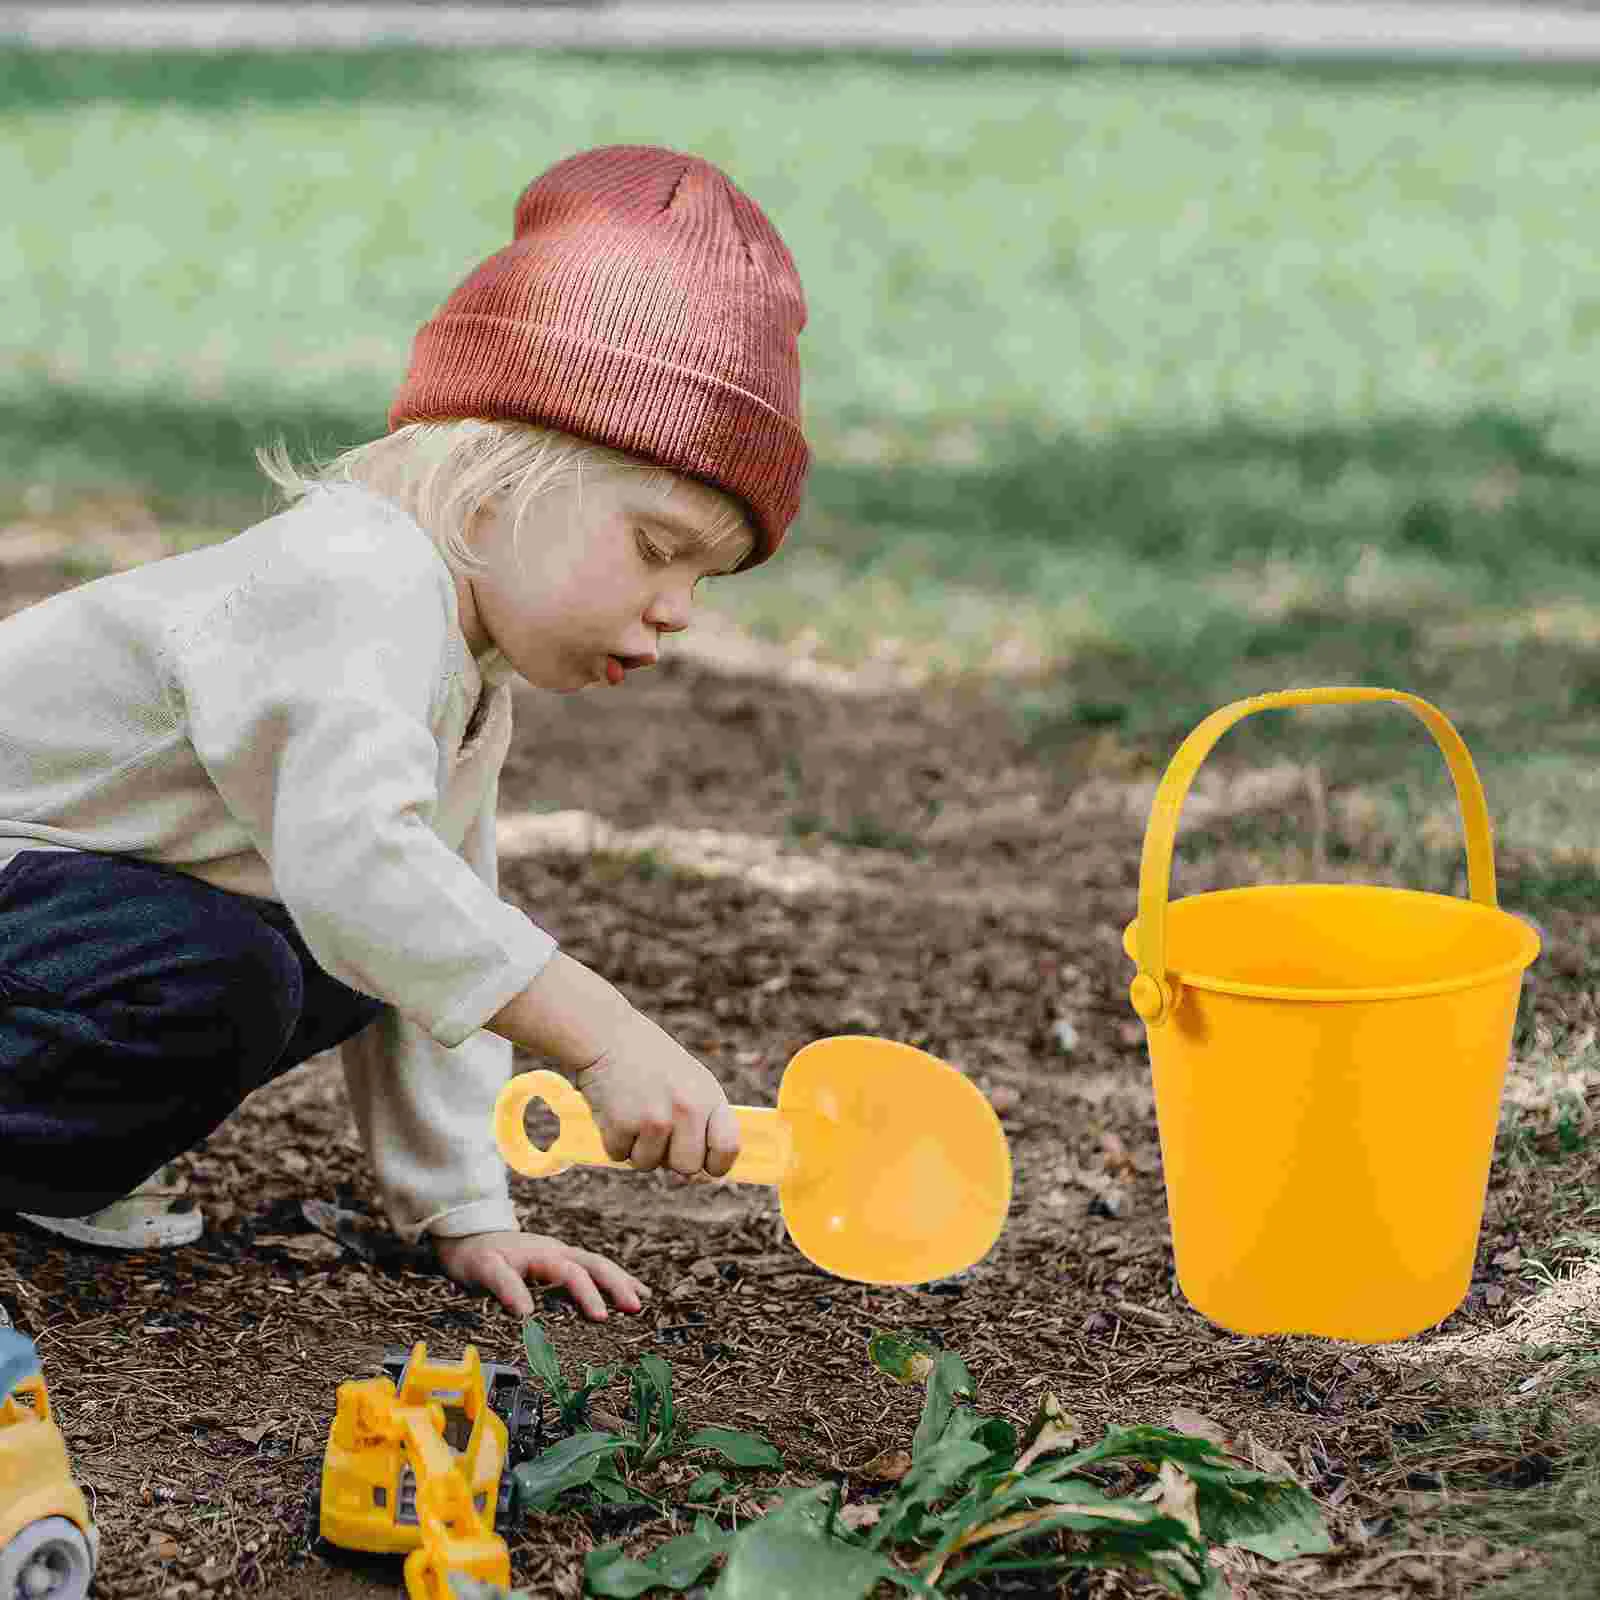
column 1125, row 1533
column 659, row 1376
column 544, row 1363
column 1273, row 1517
column 706, row 1487
column 999, row 1437
column 948, row 1382
column 785, row 1556
column 932, row 1477
column 1236, row 1504
column 902, row 1356
column 611, row 1490
column 675, row 1565
column 742, row 1449
column 563, row 1466
column 576, row 1410
column 652, row 1403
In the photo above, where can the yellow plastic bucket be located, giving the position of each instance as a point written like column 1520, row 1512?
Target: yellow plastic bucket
column 1328, row 1061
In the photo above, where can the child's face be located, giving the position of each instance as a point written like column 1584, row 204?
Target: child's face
column 601, row 571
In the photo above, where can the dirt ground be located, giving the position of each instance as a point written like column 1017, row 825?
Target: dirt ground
column 784, row 856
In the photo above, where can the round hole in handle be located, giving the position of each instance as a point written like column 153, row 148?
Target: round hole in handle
column 541, row 1125
column 527, row 1109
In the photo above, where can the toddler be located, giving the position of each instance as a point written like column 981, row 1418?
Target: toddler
column 247, row 794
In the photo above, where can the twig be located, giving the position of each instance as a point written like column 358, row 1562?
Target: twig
column 1153, row 1319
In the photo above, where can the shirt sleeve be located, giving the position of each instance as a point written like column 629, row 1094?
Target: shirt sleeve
column 426, row 1112
column 310, row 696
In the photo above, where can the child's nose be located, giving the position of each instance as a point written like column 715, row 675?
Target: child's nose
column 670, row 613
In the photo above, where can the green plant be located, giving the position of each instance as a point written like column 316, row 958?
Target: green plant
column 974, row 1498
column 589, row 1458
column 572, row 1404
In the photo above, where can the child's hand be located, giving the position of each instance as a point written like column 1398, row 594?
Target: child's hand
column 501, row 1262
column 655, row 1105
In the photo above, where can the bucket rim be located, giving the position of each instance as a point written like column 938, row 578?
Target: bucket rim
column 1478, row 978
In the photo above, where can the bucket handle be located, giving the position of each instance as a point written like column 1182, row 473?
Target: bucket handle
column 1153, row 991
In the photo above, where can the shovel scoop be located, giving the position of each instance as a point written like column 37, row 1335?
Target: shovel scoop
column 891, row 1167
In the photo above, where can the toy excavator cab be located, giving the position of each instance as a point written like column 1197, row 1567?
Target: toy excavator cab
column 518, row 1403
column 48, row 1545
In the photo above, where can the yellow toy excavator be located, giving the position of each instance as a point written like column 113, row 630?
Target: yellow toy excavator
column 48, row 1544
column 417, row 1466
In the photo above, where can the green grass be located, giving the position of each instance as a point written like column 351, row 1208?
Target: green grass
column 1133, row 386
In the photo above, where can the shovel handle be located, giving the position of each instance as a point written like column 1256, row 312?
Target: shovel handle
column 766, row 1152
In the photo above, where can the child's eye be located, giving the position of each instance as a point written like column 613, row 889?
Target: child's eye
column 651, row 551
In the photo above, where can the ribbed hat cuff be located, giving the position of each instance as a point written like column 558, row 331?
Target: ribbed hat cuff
column 466, row 365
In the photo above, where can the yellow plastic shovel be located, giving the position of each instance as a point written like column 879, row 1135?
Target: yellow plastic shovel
column 891, row 1166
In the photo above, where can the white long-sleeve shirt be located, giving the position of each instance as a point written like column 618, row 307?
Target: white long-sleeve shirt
column 284, row 714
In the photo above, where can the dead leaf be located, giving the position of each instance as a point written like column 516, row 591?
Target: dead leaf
column 1265, row 1459
column 1173, row 1494
column 861, row 1516
column 1051, row 1429
column 1026, row 1519
column 365, row 1237
column 1110, row 1511
column 1115, row 1158
column 252, row 1436
column 1186, row 1421
column 163, row 1547
column 888, row 1466
column 309, row 1247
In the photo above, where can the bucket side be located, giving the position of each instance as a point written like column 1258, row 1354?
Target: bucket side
column 1326, row 1165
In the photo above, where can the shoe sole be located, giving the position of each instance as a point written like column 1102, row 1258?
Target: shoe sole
column 176, row 1228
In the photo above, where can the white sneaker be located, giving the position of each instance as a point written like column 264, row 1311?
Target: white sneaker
column 155, row 1216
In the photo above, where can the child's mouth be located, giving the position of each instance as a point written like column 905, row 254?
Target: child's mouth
column 617, row 667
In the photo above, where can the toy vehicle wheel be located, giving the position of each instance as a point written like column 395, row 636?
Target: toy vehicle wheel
column 48, row 1560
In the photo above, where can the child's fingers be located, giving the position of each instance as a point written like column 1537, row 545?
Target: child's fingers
column 623, row 1287
column 722, row 1140
column 504, row 1282
column 571, row 1274
column 687, row 1152
column 649, row 1146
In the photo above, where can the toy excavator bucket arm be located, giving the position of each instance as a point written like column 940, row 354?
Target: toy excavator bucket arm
column 456, row 1536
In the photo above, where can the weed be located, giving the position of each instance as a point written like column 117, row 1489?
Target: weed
column 972, row 1498
column 592, row 1459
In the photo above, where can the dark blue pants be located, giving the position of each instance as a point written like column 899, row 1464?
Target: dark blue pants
column 138, row 1007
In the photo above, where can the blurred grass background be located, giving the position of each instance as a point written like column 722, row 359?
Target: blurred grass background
column 1133, row 387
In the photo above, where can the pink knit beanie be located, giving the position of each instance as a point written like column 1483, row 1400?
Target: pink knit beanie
column 645, row 303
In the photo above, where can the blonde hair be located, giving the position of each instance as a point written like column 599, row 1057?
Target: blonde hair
column 444, row 473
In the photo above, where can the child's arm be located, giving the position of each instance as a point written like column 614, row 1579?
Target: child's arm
column 426, row 1115
column 654, row 1103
